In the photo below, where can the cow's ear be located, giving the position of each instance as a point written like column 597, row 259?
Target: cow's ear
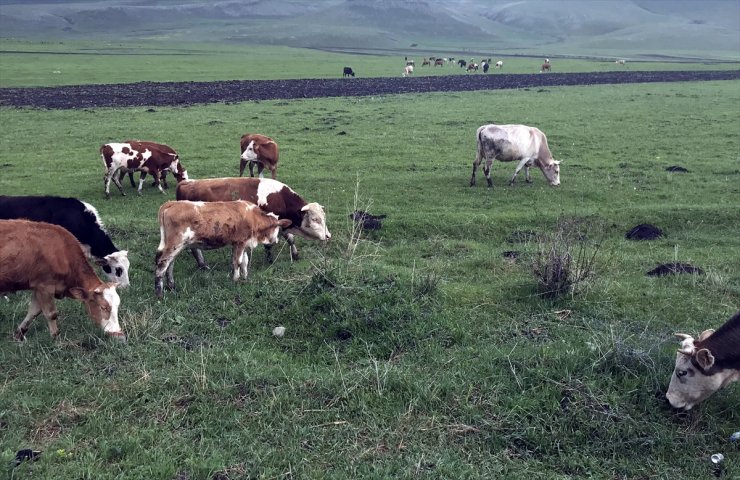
column 78, row 293
column 705, row 334
column 556, row 162
column 705, row 359
column 100, row 262
column 285, row 222
column 305, row 208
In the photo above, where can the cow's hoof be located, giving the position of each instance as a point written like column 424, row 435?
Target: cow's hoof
column 204, row 267
column 19, row 336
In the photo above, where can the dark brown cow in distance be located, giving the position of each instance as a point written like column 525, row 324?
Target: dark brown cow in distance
column 307, row 219
column 261, row 150
column 48, row 260
column 212, row 225
column 146, row 157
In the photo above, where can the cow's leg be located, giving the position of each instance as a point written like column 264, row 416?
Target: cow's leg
column 526, row 174
column 158, row 180
column 487, row 172
column 239, row 261
column 290, row 238
column 251, row 168
column 273, row 172
column 476, row 163
column 141, row 182
column 112, row 175
column 518, row 167
column 268, row 254
column 34, row 308
column 131, row 178
column 164, row 263
column 198, row 255
column 245, row 262
column 242, row 164
column 46, row 302
column 163, row 179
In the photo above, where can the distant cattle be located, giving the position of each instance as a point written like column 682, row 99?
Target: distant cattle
column 261, row 150
column 545, row 66
column 212, row 225
column 81, row 219
column 439, row 62
column 705, row 365
column 348, row 72
column 49, row 261
column 472, row 67
column 425, row 62
column 409, row 70
column 485, row 66
column 308, row 219
column 410, row 63
column 462, row 63
column 146, row 157
column 620, row 62
column 515, row 143
column 499, row 64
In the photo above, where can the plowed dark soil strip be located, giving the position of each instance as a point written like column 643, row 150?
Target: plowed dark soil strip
column 192, row 93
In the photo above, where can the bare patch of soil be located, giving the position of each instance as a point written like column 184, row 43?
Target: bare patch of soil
column 674, row 269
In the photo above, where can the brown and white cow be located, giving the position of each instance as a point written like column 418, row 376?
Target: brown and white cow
column 307, row 219
column 515, row 143
column 499, row 64
column 439, row 62
column 212, row 225
column 261, row 150
column 146, row 157
column 705, row 365
column 620, row 62
column 48, row 260
column 545, row 66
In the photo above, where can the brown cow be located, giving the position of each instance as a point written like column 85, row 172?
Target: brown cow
column 440, row 62
column 212, row 225
column 48, row 260
column 308, row 219
column 261, row 150
column 146, row 157
column 545, row 66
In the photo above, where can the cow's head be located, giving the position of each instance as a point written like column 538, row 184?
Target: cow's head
column 249, row 154
column 115, row 266
column 552, row 172
column 102, row 306
column 313, row 223
column 694, row 378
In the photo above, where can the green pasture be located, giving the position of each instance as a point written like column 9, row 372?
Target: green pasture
column 416, row 351
column 26, row 63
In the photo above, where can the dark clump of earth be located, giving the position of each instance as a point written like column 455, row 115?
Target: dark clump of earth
column 644, row 231
column 674, row 269
column 153, row 94
column 676, row 169
column 511, row 255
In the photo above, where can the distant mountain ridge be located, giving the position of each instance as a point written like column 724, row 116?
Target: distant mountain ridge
column 605, row 27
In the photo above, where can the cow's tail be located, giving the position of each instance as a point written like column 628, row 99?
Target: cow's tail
column 480, row 153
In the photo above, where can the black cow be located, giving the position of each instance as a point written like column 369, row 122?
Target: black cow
column 462, row 63
column 486, row 65
column 347, row 72
column 81, row 220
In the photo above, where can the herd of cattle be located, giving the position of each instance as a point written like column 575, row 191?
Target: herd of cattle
column 472, row 66
column 47, row 240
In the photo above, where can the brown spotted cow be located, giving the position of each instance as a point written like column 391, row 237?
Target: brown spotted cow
column 515, row 143
column 705, row 365
column 49, row 261
column 261, row 150
column 212, row 225
column 307, row 219
column 146, row 157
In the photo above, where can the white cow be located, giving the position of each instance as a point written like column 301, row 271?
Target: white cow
column 515, row 143
column 409, row 70
column 499, row 64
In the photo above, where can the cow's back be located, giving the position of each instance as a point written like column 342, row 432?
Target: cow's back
column 218, row 190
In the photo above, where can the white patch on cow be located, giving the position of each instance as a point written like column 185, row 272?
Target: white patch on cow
column 198, row 204
column 266, row 187
column 188, row 235
column 111, row 323
column 249, row 153
column 161, row 245
column 314, row 222
column 119, row 260
column 146, row 155
column 94, row 213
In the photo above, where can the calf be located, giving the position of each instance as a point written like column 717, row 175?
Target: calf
column 705, row 365
column 212, row 225
column 48, row 260
column 146, row 157
column 261, row 150
column 409, row 70
column 308, row 219
column 81, row 220
column 515, row 143
column 348, row 72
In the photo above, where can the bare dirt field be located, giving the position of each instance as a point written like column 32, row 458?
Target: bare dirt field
column 193, row 93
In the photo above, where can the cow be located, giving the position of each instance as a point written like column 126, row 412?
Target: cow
column 212, row 225
column 308, row 219
column 146, row 157
column 472, row 66
column 499, row 64
column 515, row 143
column 439, row 62
column 409, row 70
column 49, row 261
column 348, row 72
column 705, row 365
column 620, row 62
column 261, row 150
column 462, row 63
column 486, row 66
column 545, row 66
column 410, row 63
column 81, row 219
column 425, row 62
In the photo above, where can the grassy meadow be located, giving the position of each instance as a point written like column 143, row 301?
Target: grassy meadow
column 416, row 351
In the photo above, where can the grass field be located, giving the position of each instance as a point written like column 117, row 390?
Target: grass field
column 417, row 351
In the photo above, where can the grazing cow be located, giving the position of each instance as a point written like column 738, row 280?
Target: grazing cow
column 81, row 219
column 212, row 225
column 499, row 64
column 425, row 62
column 409, row 70
column 146, row 157
column 705, row 365
column 472, row 66
column 410, row 63
column 48, row 260
column 462, row 63
column 348, row 72
column 620, row 62
column 545, row 66
column 308, row 219
column 439, row 62
column 515, row 143
column 261, row 150
column 485, row 65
